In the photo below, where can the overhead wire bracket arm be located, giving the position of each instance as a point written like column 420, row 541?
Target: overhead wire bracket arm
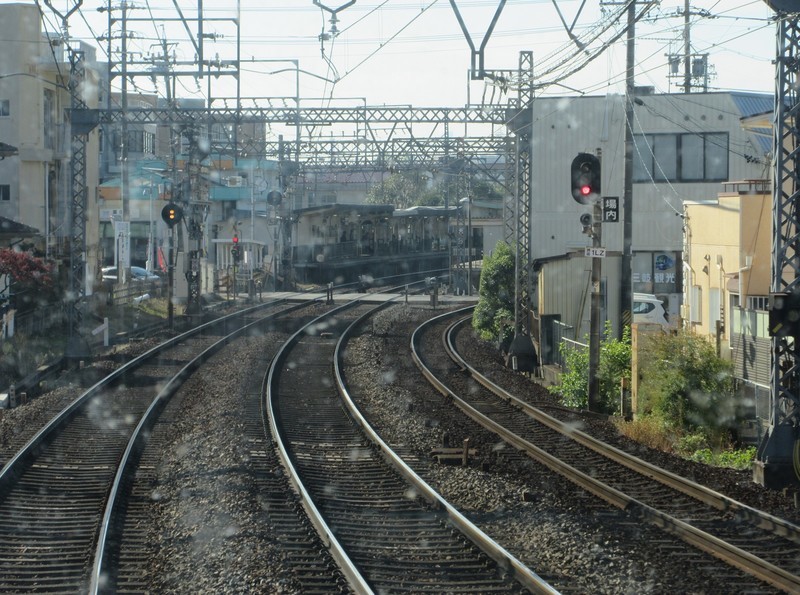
column 198, row 45
column 477, row 71
column 64, row 17
column 569, row 28
column 334, row 11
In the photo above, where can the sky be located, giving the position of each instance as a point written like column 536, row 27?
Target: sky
column 399, row 52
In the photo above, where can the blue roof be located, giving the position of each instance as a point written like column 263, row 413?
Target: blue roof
column 752, row 104
column 755, row 104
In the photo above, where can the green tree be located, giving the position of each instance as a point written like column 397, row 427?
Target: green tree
column 686, row 384
column 411, row 188
column 402, row 190
column 495, row 306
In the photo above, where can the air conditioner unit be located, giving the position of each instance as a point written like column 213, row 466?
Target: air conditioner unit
column 235, row 181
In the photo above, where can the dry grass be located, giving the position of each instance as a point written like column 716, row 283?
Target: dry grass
column 650, row 431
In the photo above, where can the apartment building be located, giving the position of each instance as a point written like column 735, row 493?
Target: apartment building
column 35, row 184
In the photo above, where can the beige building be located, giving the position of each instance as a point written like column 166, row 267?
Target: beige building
column 727, row 256
column 727, row 278
column 35, row 185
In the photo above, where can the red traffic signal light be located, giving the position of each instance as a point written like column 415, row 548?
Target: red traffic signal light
column 235, row 240
column 585, row 176
column 171, row 214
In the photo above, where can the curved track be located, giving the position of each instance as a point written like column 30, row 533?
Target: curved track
column 757, row 543
column 388, row 531
column 59, row 494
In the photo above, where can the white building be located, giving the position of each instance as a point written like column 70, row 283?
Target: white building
column 685, row 146
column 35, row 185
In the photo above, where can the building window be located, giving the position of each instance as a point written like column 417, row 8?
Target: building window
column 701, row 157
column 5, row 192
column 139, row 141
column 5, row 108
column 758, row 302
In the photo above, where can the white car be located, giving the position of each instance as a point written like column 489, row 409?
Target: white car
column 648, row 308
column 137, row 274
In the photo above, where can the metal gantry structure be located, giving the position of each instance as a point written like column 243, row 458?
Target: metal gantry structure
column 516, row 210
column 374, row 150
column 778, row 458
column 370, row 152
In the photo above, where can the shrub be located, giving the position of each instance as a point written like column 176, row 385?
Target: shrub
column 614, row 365
column 687, row 385
column 647, row 430
column 574, row 388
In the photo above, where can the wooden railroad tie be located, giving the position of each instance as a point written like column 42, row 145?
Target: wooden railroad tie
column 453, row 456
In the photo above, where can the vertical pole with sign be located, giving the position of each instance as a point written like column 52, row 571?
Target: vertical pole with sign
column 172, row 214
column 594, row 321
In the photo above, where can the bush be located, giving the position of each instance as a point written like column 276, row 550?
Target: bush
column 649, row 431
column 687, row 385
column 614, row 365
column 574, row 388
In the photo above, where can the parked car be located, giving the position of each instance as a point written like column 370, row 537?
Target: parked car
column 649, row 308
column 137, row 274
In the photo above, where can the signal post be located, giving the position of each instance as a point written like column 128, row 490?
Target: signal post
column 172, row 214
column 585, row 177
column 236, row 253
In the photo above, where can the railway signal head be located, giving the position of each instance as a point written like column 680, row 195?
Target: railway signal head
column 585, row 177
column 236, row 251
column 171, row 214
column 274, row 198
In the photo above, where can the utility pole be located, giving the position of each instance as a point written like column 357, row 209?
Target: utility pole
column 691, row 69
column 594, row 320
column 626, row 275
column 687, row 49
column 124, row 266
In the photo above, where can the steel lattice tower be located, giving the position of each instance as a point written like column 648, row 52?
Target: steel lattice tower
column 80, row 129
column 522, row 236
column 779, row 452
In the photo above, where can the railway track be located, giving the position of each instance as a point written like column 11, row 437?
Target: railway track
column 62, row 494
column 387, row 530
column 750, row 540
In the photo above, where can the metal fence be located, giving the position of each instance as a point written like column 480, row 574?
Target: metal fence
column 135, row 290
column 560, row 333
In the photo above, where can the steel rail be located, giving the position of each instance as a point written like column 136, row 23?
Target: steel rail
column 759, row 518
column 15, row 464
column 353, row 575
column 351, row 572
column 140, row 436
column 716, row 547
column 491, row 548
